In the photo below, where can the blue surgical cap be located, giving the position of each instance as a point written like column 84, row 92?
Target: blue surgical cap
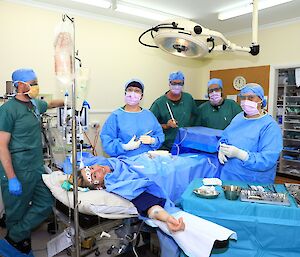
column 215, row 81
column 255, row 89
column 135, row 83
column 23, row 75
column 178, row 75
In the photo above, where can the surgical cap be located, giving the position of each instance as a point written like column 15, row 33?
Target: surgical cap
column 178, row 75
column 23, row 75
column 135, row 83
column 215, row 81
column 255, row 89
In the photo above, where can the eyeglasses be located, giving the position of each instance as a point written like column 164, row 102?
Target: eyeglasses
column 217, row 89
column 134, row 89
column 248, row 97
column 33, row 84
column 173, row 83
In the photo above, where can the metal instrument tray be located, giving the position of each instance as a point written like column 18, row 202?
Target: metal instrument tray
column 294, row 190
column 265, row 197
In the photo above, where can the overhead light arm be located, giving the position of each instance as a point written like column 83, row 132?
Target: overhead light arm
column 185, row 38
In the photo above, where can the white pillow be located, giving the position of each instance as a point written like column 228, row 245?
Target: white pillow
column 93, row 202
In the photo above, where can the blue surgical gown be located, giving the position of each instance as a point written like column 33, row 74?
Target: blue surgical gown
column 121, row 126
column 262, row 139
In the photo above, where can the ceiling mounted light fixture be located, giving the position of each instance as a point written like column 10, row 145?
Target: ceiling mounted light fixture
column 142, row 12
column 98, row 3
column 185, row 38
column 247, row 8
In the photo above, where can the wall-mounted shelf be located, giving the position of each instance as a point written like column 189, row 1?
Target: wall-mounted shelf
column 288, row 117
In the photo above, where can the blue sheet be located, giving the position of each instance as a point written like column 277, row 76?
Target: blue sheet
column 263, row 230
column 196, row 139
column 173, row 174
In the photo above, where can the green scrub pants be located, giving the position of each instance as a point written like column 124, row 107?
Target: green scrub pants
column 32, row 207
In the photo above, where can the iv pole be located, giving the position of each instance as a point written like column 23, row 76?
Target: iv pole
column 74, row 148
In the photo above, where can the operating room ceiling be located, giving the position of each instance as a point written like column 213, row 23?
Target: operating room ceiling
column 204, row 12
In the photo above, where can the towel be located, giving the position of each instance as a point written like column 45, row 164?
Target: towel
column 199, row 235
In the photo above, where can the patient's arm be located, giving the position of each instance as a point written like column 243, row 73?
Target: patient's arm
column 159, row 213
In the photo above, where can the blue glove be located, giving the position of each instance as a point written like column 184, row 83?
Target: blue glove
column 14, row 186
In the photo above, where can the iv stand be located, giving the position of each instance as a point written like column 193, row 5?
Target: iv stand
column 74, row 149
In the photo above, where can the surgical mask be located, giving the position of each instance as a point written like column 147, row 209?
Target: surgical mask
column 33, row 91
column 215, row 97
column 132, row 98
column 176, row 89
column 249, row 107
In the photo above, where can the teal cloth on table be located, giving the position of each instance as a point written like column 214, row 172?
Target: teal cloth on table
column 262, row 229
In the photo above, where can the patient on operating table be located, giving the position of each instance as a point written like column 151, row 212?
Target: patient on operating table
column 93, row 178
column 146, row 183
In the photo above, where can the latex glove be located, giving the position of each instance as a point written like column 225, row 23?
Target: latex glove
column 147, row 140
column 222, row 158
column 132, row 144
column 232, row 151
column 172, row 123
column 14, row 186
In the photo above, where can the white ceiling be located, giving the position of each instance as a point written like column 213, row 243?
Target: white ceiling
column 204, row 12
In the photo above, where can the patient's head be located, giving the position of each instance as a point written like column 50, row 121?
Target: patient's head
column 92, row 176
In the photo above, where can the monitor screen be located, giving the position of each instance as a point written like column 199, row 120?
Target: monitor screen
column 83, row 117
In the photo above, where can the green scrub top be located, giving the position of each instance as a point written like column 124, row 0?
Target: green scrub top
column 23, row 123
column 183, row 111
column 217, row 117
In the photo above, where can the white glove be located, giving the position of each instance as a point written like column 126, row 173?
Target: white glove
column 232, row 151
column 147, row 140
column 222, row 158
column 132, row 144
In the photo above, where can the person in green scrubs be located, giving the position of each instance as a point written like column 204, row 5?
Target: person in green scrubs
column 218, row 112
column 27, row 200
column 174, row 109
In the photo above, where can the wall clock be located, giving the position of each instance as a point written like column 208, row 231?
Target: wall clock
column 239, row 82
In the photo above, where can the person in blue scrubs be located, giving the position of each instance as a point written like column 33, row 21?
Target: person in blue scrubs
column 131, row 130
column 250, row 146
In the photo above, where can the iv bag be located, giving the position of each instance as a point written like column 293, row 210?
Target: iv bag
column 63, row 54
column 82, row 77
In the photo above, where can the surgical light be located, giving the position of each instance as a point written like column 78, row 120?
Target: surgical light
column 185, row 38
column 247, row 8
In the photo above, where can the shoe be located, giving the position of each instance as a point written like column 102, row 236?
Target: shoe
column 7, row 250
column 24, row 246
